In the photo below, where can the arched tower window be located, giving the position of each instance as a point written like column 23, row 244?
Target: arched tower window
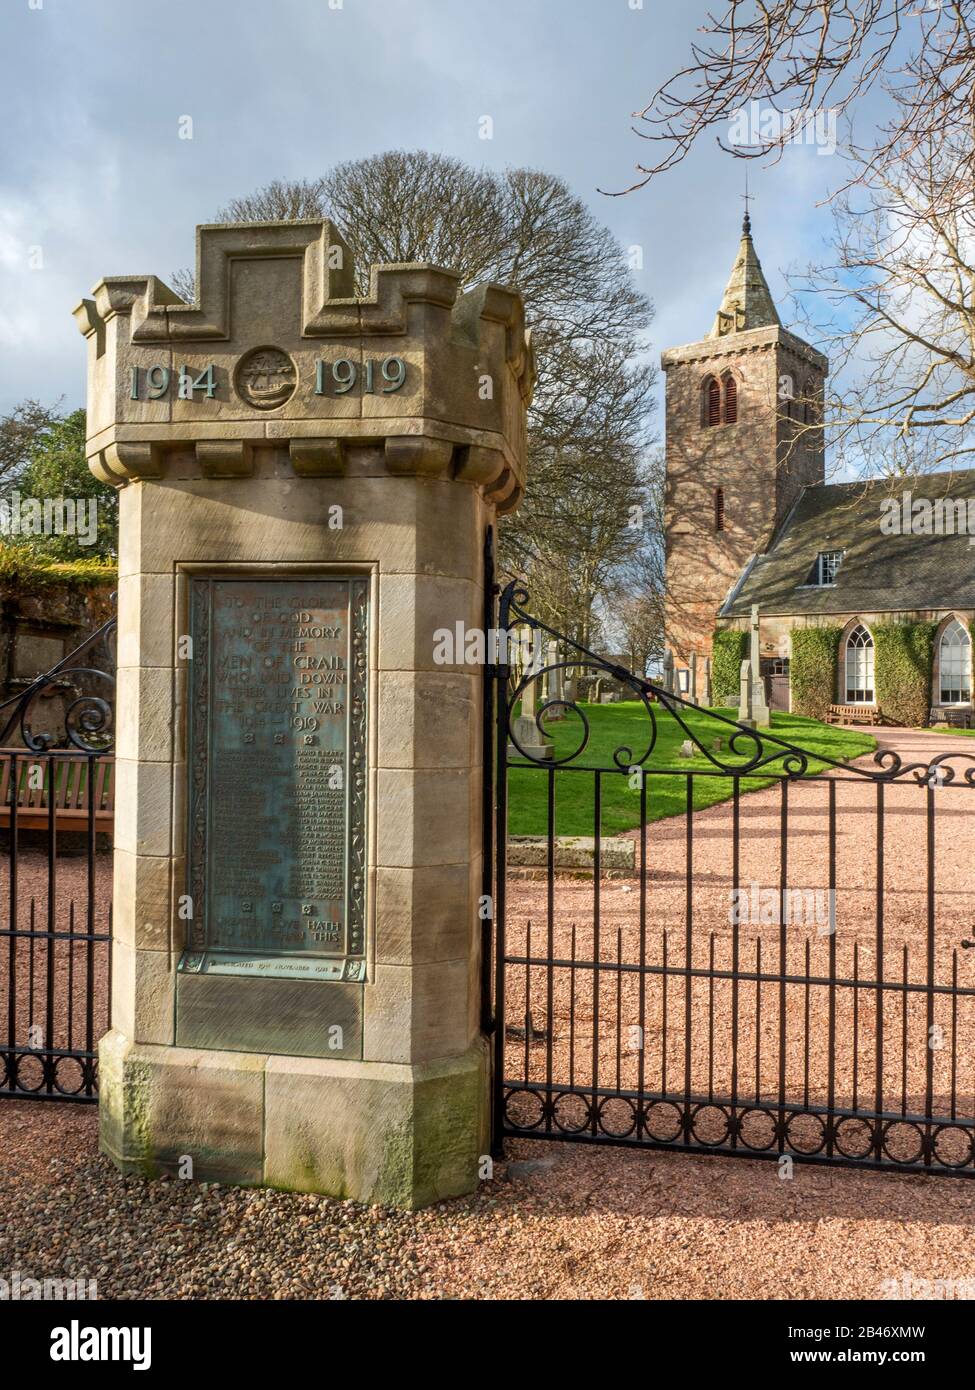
column 712, row 402
column 719, row 508
column 955, row 665
column 858, row 667
column 730, row 399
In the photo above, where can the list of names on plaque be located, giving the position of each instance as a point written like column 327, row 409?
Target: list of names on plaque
column 277, row 776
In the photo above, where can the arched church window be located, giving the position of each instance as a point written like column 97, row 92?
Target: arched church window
column 955, row 665
column 730, row 400
column 859, row 667
column 719, row 508
column 712, row 402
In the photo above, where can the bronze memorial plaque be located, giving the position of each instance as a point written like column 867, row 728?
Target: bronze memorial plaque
column 277, row 778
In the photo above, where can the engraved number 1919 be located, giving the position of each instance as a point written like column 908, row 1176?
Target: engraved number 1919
column 344, row 374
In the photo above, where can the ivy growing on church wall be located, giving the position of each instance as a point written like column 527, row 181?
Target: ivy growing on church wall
column 728, row 650
column 815, row 651
column 904, row 659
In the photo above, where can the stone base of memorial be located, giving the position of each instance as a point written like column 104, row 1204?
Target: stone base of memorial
column 296, row 969
column 373, row 1131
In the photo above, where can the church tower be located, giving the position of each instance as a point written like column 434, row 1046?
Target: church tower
column 743, row 439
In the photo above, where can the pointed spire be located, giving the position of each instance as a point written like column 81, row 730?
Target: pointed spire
column 747, row 301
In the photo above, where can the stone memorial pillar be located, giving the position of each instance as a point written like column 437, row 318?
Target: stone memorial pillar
column 305, row 479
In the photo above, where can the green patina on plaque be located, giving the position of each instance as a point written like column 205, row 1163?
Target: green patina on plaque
column 277, row 769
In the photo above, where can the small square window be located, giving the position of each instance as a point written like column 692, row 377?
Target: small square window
column 826, row 566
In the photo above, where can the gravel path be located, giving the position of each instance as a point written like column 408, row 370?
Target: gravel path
column 586, row 1224
column 559, row 1220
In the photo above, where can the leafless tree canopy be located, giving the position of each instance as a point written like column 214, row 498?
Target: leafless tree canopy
column 900, row 321
column 807, row 55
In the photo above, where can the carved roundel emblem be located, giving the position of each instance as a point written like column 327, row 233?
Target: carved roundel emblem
column 265, row 378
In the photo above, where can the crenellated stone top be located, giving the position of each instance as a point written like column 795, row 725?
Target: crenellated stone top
column 278, row 353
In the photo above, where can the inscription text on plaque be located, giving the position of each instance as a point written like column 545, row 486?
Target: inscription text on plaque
column 277, row 777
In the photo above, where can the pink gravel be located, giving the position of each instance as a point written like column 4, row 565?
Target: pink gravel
column 579, row 1223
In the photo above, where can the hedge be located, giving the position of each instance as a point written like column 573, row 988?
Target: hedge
column 24, row 567
column 728, row 650
column 815, row 651
column 903, row 662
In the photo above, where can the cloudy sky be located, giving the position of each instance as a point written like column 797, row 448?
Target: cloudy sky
column 94, row 179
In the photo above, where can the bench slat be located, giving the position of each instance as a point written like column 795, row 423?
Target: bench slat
column 70, row 777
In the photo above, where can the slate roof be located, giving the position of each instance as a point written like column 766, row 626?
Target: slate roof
column 879, row 573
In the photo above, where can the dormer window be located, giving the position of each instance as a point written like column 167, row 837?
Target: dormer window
column 826, row 566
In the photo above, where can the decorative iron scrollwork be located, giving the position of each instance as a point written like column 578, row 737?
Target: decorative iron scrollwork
column 88, row 718
column 753, row 752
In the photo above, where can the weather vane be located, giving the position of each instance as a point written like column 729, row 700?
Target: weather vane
column 747, row 197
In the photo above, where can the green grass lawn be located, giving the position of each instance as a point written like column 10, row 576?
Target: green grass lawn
column 627, row 724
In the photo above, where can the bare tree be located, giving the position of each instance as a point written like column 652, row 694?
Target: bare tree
column 899, row 295
column 635, row 598
column 802, row 56
column 281, row 200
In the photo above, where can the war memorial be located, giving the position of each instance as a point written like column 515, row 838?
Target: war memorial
column 305, row 483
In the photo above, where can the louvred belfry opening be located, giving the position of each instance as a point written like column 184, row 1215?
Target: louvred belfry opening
column 730, row 400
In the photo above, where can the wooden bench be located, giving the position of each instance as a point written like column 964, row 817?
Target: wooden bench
column 70, row 790
column 854, row 714
column 954, row 718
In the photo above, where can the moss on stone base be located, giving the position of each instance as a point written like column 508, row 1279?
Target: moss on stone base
column 380, row 1133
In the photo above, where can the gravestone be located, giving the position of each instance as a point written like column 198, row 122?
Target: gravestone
column 526, row 737
column 305, row 481
column 747, row 690
column 760, row 709
column 555, row 685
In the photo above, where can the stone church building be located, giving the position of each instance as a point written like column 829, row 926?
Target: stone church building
column 750, row 519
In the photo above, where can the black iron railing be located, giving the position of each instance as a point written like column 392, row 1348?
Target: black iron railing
column 56, row 800
column 785, row 977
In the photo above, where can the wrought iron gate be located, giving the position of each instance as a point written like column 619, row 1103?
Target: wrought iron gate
column 55, row 940
column 771, row 978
